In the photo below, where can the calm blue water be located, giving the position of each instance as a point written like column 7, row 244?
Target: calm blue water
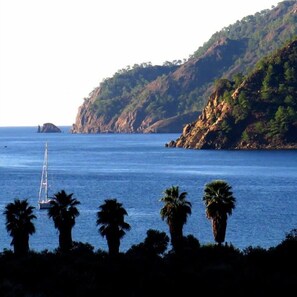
column 136, row 169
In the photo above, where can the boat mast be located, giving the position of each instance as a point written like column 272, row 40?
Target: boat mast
column 43, row 190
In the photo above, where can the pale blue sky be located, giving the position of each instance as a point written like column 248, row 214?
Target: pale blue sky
column 53, row 53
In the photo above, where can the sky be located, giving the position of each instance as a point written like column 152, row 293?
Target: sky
column 53, row 53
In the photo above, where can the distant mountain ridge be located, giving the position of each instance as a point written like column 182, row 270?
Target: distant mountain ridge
column 147, row 99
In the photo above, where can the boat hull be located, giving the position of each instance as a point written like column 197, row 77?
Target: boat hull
column 44, row 205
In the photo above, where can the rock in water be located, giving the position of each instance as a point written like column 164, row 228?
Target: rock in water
column 48, row 128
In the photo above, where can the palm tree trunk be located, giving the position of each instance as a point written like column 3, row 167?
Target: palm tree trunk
column 113, row 245
column 176, row 234
column 65, row 239
column 219, row 226
column 21, row 244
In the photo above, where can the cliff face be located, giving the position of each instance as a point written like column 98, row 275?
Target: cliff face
column 260, row 113
column 167, row 98
column 135, row 121
column 208, row 131
column 158, row 106
column 204, row 133
column 86, row 121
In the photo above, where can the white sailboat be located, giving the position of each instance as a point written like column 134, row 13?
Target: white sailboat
column 43, row 199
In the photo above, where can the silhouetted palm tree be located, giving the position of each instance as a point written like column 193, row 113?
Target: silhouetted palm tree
column 175, row 210
column 111, row 219
column 19, row 225
column 63, row 211
column 219, row 202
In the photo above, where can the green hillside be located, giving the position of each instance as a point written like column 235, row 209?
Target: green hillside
column 143, row 98
column 256, row 111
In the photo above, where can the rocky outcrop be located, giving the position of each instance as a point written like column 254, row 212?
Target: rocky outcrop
column 48, row 128
column 156, row 108
column 204, row 133
column 160, row 98
column 137, row 120
column 258, row 113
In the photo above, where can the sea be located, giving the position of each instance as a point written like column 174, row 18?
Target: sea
column 136, row 169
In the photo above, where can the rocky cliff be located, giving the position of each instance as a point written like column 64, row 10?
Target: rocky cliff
column 160, row 106
column 259, row 113
column 166, row 98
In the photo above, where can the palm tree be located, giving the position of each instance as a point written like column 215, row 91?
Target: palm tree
column 219, row 202
column 111, row 219
column 175, row 210
column 63, row 211
column 19, row 225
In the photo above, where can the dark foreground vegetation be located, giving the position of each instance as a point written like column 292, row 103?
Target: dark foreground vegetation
column 143, row 271
column 161, row 265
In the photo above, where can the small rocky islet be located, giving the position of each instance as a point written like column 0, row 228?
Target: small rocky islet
column 48, row 128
